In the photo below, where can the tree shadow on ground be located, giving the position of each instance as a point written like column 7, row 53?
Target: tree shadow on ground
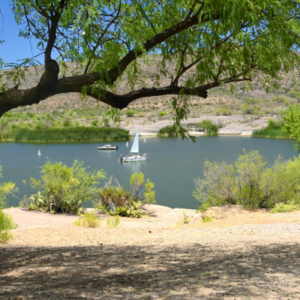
column 135, row 272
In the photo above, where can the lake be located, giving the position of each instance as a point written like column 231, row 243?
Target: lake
column 171, row 164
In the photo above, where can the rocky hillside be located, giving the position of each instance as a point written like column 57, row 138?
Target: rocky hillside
column 220, row 101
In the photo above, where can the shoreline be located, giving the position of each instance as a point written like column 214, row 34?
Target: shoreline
column 232, row 125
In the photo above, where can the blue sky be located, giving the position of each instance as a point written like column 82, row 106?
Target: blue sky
column 14, row 47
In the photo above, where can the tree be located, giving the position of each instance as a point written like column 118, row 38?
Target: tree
column 208, row 43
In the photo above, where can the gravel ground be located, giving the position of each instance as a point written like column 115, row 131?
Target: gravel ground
column 246, row 261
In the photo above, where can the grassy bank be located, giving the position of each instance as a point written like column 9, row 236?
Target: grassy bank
column 273, row 130
column 71, row 134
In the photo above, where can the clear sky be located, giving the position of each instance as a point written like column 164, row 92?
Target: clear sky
column 15, row 47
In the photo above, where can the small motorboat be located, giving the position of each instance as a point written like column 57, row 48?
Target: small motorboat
column 108, row 147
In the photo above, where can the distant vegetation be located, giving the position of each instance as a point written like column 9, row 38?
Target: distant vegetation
column 168, row 131
column 250, row 183
column 273, row 130
column 67, row 134
column 209, row 127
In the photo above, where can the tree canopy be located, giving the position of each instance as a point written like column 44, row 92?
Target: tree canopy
column 209, row 43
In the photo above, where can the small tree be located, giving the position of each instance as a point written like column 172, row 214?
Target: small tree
column 249, row 168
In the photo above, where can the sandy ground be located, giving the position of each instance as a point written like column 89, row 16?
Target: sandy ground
column 241, row 255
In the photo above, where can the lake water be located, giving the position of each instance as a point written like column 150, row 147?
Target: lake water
column 171, row 164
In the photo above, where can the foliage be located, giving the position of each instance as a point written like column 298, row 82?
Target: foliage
column 118, row 201
column 130, row 112
column 163, row 113
column 63, row 189
column 88, row 220
column 168, row 131
column 69, row 134
column 5, row 189
column 208, row 126
column 113, row 222
column 6, row 223
column 204, row 206
column 291, row 117
column 249, row 183
column 282, row 208
column 67, row 123
column 274, row 129
column 207, row 219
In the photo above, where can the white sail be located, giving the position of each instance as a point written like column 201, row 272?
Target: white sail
column 135, row 145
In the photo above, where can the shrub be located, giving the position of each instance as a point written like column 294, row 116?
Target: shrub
column 118, row 201
column 94, row 123
column 5, row 189
column 249, row 183
column 88, row 220
column 63, row 189
column 168, row 131
column 207, row 219
column 282, row 208
column 208, row 126
column 6, row 223
column 130, row 112
column 163, row 113
column 67, row 123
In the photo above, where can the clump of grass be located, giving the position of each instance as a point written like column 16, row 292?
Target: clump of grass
column 88, row 220
column 113, row 222
column 6, row 223
column 207, row 219
column 282, row 208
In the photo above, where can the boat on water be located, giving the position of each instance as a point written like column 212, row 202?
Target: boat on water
column 134, row 154
column 108, row 147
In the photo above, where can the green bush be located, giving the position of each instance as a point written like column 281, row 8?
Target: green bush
column 282, row 208
column 130, row 112
column 6, row 224
column 168, row 131
column 163, row 113
column 67, row 123
column 94, row 123
column 63, row 189
column 208, row 126
column 118, row 201
column 249, row 182
column 5, row 189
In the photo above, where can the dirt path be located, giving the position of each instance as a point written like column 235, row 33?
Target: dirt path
column 218, row 260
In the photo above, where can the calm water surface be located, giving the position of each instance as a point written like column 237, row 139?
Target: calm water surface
column 172, row 164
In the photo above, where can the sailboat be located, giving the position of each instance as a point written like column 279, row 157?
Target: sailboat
column 134, row 152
